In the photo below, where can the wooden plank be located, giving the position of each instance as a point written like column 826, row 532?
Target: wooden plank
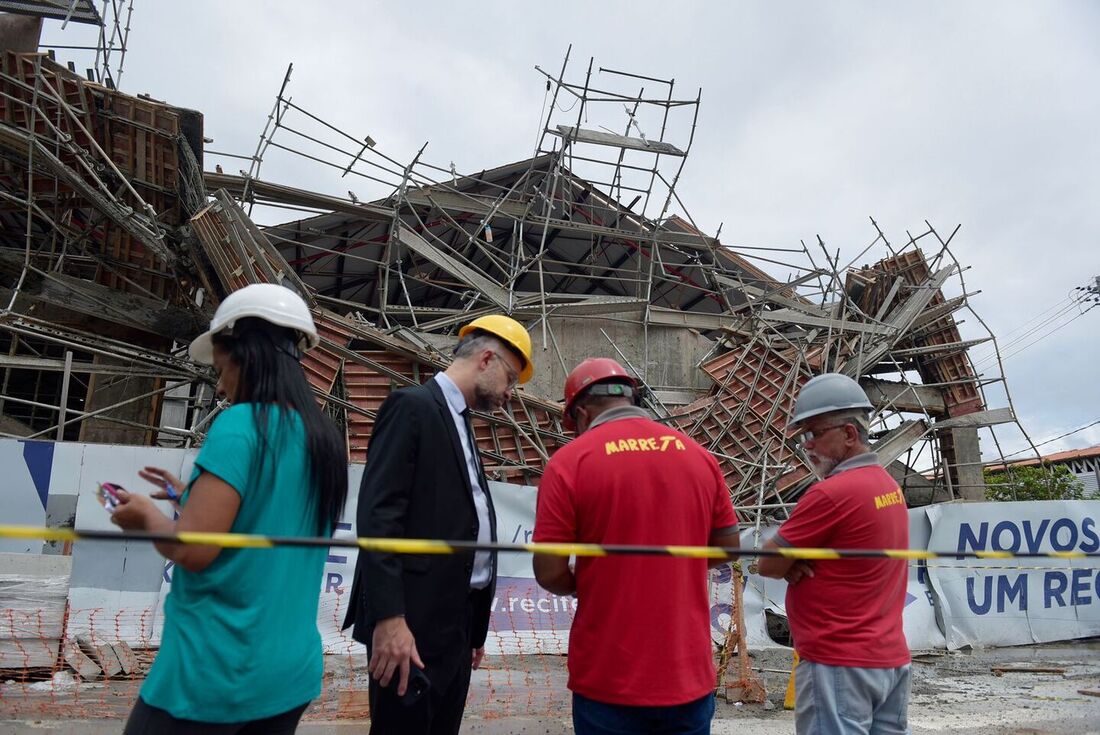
column 299, row 197
column 599, row 137
column 935, row 349
column 453, row 266
column 1002, row 670
column 939, row 311
column 109, row 304
column 592, row 305
column 22, row 362
column 450, row 201
column 979, row 418
column 903, row 396
column 662, row 317
column 898, row 441
column 790, row 316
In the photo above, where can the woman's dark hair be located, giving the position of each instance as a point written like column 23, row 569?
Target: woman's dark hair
column 270, row 374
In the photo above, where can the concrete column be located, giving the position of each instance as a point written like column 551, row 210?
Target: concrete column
column 967, row 472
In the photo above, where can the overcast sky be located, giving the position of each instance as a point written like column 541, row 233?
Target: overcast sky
column 814, row 117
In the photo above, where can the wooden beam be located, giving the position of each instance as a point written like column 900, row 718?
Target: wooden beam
column 102, row 302
column 450, row 263
column 978, row 418
column 939, row 350
column 267, row 191
column 589, row 306
column 938, row 311
column 898, row 441
column 673, row 318
column 903, row 396
column 790, row 316
column 22, row 362
column 570, row 134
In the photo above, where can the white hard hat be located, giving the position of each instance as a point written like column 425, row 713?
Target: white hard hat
column 827, row 393
column 268, row 301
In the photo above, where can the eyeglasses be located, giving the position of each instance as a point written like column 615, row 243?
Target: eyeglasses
column 513, row 376
column 806, row 437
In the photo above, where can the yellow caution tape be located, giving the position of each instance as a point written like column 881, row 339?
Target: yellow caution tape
column 436, row 546
column 793, row 553
column 566, row 549
column 225, row 540
column 405, row 546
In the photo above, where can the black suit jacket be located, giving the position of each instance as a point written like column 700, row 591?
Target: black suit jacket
column 416, row 485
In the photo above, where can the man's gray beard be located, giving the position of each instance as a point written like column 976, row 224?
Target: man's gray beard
column 484, row 400
column 823, row 466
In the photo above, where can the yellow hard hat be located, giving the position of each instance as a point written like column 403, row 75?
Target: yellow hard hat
column 509, row 330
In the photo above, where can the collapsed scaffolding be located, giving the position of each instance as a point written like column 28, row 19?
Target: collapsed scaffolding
column 117, row 244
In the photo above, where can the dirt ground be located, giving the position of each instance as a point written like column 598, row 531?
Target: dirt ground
column 952, row 692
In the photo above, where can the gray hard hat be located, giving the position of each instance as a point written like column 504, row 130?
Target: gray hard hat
column 827, row 393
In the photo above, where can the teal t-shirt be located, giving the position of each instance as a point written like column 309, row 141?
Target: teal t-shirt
column 240, row 638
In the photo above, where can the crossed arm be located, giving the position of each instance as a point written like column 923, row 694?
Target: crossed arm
column 780, row 567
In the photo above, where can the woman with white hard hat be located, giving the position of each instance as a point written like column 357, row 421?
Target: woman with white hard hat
column 240, row 651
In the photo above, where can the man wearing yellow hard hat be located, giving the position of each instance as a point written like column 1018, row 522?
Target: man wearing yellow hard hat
column 424, row 619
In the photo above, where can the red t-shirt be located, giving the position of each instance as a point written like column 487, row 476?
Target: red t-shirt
column 849, row 612
column 641, row 635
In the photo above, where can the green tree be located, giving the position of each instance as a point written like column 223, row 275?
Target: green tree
column 1053, row 482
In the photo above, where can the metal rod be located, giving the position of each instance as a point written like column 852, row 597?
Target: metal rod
column 64, row 402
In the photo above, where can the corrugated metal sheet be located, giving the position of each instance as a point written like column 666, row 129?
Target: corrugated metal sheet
column 1091, row 483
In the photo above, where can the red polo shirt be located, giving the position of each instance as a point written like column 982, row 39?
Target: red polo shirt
column 641, row 635
column 850, row 612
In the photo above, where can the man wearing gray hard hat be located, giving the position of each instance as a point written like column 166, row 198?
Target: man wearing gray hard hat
column 845, row 614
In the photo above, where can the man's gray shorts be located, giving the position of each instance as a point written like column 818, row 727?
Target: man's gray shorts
column 845, row 700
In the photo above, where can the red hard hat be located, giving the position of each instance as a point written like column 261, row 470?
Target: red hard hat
column 591, row 371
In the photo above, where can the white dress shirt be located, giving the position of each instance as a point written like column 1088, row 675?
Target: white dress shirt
column 456, row 402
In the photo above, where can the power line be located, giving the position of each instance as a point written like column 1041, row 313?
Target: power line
column 1079, row 295
column 1060, row 436
column 1047, row 334
column 1066, row 309
column 1060, row 305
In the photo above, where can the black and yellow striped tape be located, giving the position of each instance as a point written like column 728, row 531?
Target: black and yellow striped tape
column 430, row 546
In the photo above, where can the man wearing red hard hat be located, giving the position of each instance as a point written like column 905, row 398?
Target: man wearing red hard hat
column 628, row 479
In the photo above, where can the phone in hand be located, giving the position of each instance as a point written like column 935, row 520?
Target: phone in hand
column 419, row 685
column 108, row 495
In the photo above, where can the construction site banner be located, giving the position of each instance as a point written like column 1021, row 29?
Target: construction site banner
column 117, row 589
column 1001, row 602
column 525, row 618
